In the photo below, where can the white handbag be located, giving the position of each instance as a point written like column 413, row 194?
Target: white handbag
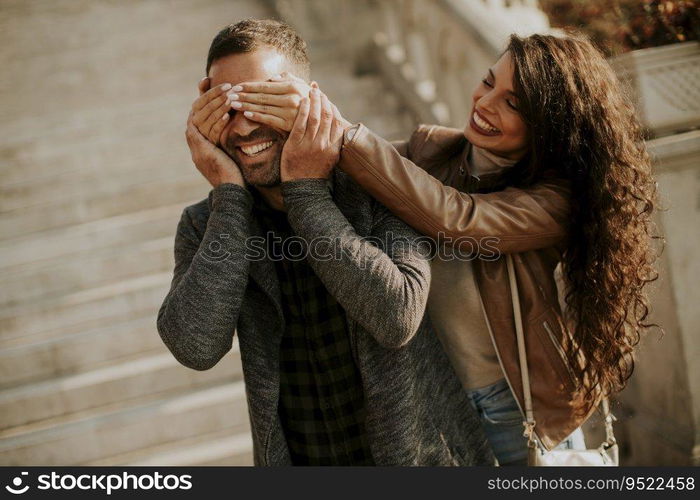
column 605, row 455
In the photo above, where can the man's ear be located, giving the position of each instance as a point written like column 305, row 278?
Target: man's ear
column 203, row 85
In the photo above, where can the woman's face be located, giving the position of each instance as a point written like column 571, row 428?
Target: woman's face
column 495, row 123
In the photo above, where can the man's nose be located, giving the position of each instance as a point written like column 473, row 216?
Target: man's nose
column 242, row 126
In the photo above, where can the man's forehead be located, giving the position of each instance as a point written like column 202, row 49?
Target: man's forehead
column 258, row 65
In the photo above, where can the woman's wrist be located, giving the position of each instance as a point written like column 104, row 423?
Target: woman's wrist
column 349, row 132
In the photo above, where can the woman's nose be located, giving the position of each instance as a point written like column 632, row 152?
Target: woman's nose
column 487, row 103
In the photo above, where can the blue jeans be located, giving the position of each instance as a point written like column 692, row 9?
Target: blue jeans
column 503, row 424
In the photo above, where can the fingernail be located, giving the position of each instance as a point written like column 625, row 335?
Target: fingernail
column 225, row 117
column 314, row 91
column 233, row 97
column 277, row 77
column 247, row 114
column 203, row 78
column 226, row 86
column 236, row 105
column 237, row 88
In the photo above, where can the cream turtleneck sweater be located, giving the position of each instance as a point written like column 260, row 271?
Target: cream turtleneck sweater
column 453, row 304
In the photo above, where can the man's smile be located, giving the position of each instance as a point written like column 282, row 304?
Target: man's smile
column 256, row 149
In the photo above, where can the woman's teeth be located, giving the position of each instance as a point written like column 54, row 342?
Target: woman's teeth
column 252, row 150
column 482, row 124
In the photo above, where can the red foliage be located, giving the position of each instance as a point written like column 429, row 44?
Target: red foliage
column 617, row 26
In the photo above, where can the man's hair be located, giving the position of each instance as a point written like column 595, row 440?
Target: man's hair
column 249, row 34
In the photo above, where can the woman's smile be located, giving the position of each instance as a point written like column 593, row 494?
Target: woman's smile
column 495, row 123
column 482, row 126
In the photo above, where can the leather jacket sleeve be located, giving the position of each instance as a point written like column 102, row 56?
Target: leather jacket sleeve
column 514, row 219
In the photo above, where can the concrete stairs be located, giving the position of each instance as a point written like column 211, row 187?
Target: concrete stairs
column 95, row 173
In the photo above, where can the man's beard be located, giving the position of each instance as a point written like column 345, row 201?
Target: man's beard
column 265, row 173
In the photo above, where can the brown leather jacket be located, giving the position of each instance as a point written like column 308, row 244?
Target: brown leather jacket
column 434, row 198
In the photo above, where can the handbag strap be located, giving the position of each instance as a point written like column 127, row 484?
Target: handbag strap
column 529, row 422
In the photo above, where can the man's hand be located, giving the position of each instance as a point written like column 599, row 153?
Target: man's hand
column 214, row 164
column 210, row 111
column 313, row 146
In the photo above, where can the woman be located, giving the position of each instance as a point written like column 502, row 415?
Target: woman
column 551, row 168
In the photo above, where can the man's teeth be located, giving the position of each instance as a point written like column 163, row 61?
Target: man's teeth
column 482, row 124
column 251, row 150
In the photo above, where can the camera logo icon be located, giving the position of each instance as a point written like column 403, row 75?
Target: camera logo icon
column 17, row 483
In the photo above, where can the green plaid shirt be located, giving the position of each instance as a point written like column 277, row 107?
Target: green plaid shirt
column 321, row 402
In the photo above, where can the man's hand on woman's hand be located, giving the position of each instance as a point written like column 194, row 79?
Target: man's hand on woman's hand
column 313, row 146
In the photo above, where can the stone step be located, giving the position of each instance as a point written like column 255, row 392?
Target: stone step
column 127, row 170
column 127, row 199
column 82, row 351
column 78, row 311
column 79, row 58
column 216, row 448
column 80, row 240
column 89, row 436
column 67, row 274
column 101, row 136
column 144, row 374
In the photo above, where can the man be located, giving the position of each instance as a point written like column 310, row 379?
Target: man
column 339, row 366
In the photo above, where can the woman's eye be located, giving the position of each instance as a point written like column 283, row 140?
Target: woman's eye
column 486, row 82
column 511, row 105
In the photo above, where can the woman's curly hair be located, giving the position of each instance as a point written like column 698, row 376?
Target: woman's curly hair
column 582, row 123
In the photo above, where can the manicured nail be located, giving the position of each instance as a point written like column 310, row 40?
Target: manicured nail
column 233, row 97
column 236, row 105
column 226, row 86
column 248, row 114
column 237, row 88
column 225, row 117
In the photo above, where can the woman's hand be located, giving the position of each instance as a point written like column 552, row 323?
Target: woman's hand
column 313, row 146
column 275, row 102
column 210, row 110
